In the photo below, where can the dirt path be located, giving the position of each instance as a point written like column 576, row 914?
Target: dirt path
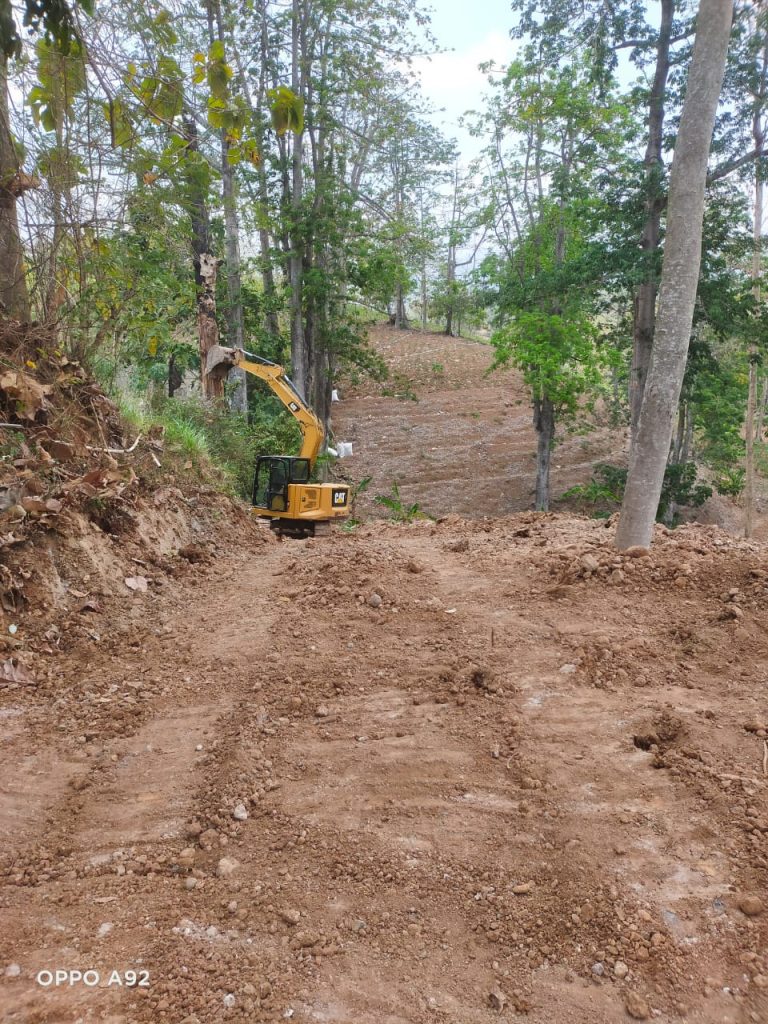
column 431, row 730
column 469, row 771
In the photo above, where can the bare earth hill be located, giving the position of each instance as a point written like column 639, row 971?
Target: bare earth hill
column 472, row 771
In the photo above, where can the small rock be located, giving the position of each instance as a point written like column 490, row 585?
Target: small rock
column 620, row 969
column 589, row 563
column 635, row 1005
column 12, row 971
column 229, row 1001
column 375, row 600
column 760, row 980
column 239, row 812
column 227, row 867
column 322, row 711
column 414, row 567
column 290, row 917
column 636, row 552
column 209, row 838
column 136, row 583
column 497, row 999
column 756, row 726
column 568, row 669
column 523, row 889
column 460, row 545
column 199, row 747
column 752, row 906
column 598, row 970
column 104, row 929
column 187, row 857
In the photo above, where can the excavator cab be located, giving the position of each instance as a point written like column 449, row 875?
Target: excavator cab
column 283, row 493
column 273, row 475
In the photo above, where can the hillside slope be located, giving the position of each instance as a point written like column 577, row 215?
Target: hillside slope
column 453, row 437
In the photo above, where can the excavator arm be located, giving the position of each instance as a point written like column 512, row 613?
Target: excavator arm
column 311, row 428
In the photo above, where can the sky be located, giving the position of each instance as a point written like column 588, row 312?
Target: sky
column 469, row 33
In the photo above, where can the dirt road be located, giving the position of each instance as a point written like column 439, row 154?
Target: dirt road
column 470, row 771
column 433, row 772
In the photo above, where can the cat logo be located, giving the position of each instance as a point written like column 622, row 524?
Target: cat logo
column 339, row 498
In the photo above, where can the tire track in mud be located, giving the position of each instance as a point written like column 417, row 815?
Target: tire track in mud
column 111, row 822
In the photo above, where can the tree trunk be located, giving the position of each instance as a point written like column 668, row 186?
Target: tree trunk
column 14, row 298
column 299, row 356
column 450, row 278
column 238, row 398
column 679, row 278
column 645, row 296
column 271, row 321
column 544, row 422
column 761, row 412
column 758, row 137
column 749, row 432
column 401, row 319
column 205, row 266
column 175, row 376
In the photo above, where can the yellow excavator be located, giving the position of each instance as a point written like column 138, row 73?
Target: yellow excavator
column 282, row 491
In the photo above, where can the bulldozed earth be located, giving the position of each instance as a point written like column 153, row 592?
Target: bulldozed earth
column 473, row 770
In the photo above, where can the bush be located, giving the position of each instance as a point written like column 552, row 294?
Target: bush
column 200, row 430
column 606, row 490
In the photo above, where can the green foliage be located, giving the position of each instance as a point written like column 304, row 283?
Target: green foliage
column 730, row 481
column 287, row 110
column 716, row 387
column 558, row 355
column 400, row 387
column 605, row 490
column 54, row 18
column 201, row 431
column 400, row 512
column 61, row 78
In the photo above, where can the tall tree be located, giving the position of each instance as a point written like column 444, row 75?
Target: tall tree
column 14, row 296
column 644, row 319
column 680, row 271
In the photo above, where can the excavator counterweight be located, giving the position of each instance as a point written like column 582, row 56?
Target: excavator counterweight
column 283, row 491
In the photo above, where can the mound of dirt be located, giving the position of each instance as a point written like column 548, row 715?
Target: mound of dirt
column 91, row 520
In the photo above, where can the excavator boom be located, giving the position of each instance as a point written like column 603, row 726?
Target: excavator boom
column 275, row 376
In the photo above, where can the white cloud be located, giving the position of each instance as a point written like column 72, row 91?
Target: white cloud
column 453, row 84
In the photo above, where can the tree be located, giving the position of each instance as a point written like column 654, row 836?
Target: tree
column 680, row 271
column 14, row 298
column 545, row 212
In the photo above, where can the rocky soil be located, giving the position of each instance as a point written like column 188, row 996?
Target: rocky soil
column 472, row 771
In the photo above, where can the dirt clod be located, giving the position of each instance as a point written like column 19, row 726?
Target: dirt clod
column 751, row 906
column 636, row 1006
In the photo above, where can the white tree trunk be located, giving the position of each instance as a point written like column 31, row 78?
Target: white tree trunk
column 758, row 137
column 679, row 277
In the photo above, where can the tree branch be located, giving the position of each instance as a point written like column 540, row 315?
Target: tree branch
column 733, row 165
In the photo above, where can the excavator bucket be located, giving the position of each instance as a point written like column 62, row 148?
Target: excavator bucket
column 219, row 359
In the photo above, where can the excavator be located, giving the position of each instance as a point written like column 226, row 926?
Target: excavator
column 283, row 492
